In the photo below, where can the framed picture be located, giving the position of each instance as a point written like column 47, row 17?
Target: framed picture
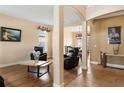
column 114, row 35
column 10, row 34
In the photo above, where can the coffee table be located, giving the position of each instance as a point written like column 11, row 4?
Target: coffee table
column 38, row 65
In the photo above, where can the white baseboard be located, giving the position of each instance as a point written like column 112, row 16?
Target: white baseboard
column 94, row 62
column 116, row 65
column 56, row 85
column 9, row 64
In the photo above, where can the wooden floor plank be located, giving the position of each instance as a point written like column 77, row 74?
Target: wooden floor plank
column 96, row 76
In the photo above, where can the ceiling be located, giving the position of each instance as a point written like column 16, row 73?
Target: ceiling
column 73, row 28
column 118, row 13
column 42, row 14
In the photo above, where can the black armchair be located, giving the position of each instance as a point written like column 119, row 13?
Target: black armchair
column 43, row 56
column 71, row 60
column 1, row 82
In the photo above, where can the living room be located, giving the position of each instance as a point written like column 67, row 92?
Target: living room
column 15, row 52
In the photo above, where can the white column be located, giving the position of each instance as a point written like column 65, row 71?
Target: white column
column 58, row 39
column 84, row 45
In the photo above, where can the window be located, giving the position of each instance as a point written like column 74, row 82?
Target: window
column 79, row 42
column 43, row 40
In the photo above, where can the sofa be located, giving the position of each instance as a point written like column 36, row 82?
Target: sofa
column 71, row 59
column 2, row 82
column 42, row 57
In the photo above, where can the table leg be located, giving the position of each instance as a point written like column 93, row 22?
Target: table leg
column 38, row 71
column 48, row 68
column 104, row 59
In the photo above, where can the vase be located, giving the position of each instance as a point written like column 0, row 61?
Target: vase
column 115, row 52
column 115, row 49
column 36, row 59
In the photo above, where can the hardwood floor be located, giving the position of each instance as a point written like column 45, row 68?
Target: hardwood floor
column 17, row 76
column 96, row 76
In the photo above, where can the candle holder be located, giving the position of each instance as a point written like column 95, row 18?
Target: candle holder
column 44, row 28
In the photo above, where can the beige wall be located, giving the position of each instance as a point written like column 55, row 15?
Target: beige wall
column 11, row 52
column 74, row 39
column 99, row 38
column 49, row 50
column 68, row 38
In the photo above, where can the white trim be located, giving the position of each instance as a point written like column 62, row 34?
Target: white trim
column 115, row 65
column 56, row 85
column 9, row 64
column 94, row 62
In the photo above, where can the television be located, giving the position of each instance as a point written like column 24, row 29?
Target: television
column 10, row 34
